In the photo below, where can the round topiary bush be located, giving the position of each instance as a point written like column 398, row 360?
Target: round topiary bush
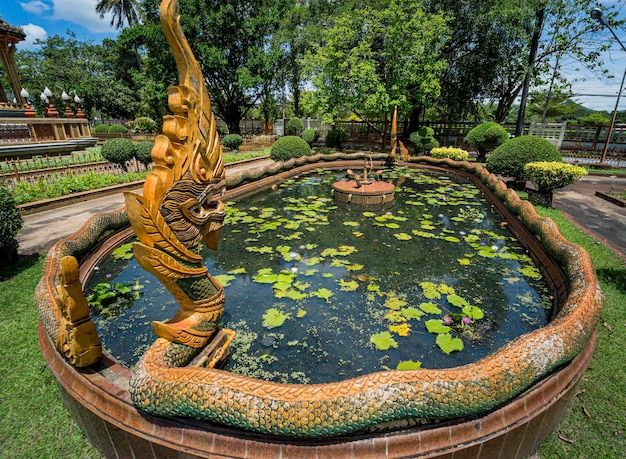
column 118, row 129
column 118, row 151
column 144, row 125
column 232, row 141
column 486, row 137
column 143, row 152
column 294, row 125
column 510, row 158
column 101, row 129
column 310, row 136
column 548, row 176
column 10, row 223
column 289, row 147
column 424, row 139
column 458, row 154
column 336, row 138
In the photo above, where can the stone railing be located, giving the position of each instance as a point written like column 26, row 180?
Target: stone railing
column 37, row 130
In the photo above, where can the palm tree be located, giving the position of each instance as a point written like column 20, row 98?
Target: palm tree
column 128, row 11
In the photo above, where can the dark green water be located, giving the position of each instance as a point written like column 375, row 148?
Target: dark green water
column 319, row 291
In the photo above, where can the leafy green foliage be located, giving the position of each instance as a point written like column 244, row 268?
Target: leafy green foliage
column 486, row 137
column 371, row 57
column 143, row 152
column 594, row 119
column 310, row 136
column 101, row 129
column 108, row 299
column 294, row 126
column 383, row 341
column 424, row 139
column 289, row 147
column 550, row 175
column 409, row 365
column 144, row 125
column 458, row 154
column 335, row 138
column 118, row 151
column 510, row 158
column 449, row 344
column 232, row 141
column 118, row 129
column 273, row 318
column 62, row 185
column 10, row 223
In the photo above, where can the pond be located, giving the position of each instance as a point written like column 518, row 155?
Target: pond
column 320, row 291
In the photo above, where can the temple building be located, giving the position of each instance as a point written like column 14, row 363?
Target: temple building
column 9, row 37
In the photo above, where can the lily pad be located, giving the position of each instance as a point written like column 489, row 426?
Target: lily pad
column 401, row 329
column 409, row 365
column 449, row 344
column 323, row 293
column 456, row 300
column 123, row 252
column 348, row 286
column 273, row 318
column 224, row 279
column 436, row 326
column 394, row 303
column 473, row 312
column 403, row 236
column 412, row 313
column 383, row 341
column 430, row 308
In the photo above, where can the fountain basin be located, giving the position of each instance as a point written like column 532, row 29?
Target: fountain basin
column 563, row 351
column 369, row 194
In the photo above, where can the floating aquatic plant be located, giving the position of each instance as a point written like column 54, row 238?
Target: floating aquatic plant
column 273, row 318
column 383, row 341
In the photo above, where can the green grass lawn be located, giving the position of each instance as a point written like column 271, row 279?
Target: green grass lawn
column 34, row 424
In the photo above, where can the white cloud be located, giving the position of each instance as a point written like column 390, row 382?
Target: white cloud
column 35, row 7
column 33, row 32
column 83, row 13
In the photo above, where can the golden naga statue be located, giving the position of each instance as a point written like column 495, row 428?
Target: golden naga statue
column 395, row 143
column 180, row 205
column 77, row 338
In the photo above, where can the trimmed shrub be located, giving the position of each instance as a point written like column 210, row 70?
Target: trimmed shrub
column 486, row 137
column 424, row 139
column 289, row 147
column 10, row 223
column 595, row 119
column 510, row 158
column 458, row 154
column 294, row 126
column 336, row 138
column 144, row 125
column 101, row 129
column 310, row 136
column 550, row 175
column 232, row 141
column 118, row 151
column 143, row 152
column 118, row 129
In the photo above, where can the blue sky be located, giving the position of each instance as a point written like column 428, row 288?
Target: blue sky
column 45, row 18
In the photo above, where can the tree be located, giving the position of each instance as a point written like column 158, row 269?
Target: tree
column 474, row 52
column 373, row 57
column 128, row 11
column 543, row 32
column 233, row 42
column 82, row 68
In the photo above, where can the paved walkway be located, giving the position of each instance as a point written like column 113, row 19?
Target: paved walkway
column 604, row 220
